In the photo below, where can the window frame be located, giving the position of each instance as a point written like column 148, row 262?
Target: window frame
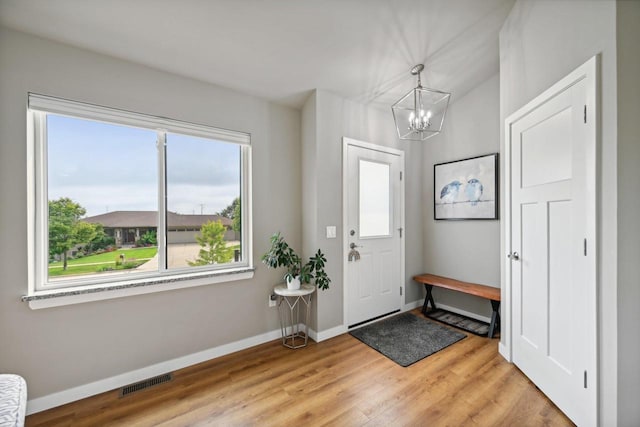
column 39, row 285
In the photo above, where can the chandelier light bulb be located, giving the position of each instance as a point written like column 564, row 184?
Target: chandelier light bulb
column 420, row 121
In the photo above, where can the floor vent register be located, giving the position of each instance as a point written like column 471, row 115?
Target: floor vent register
column 145, row 384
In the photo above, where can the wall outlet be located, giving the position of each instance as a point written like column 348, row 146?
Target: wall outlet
column 331, row 232
column 272, row 300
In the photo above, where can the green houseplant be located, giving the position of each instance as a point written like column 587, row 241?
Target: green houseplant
column 280, row 254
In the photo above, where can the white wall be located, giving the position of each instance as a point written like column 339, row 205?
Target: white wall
column 335, row 118
column 464, row 250
column 310, row 234
column 628, row 64
column 59, row 348
column 541, row 42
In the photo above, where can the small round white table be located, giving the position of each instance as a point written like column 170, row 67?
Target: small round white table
column 292, row 336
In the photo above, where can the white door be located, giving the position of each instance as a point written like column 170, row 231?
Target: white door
column 552, row 147
column 373, row 227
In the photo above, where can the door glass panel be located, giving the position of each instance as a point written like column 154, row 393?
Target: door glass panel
column 374, row 206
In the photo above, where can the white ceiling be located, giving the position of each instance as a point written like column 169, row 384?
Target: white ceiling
column 282, row 49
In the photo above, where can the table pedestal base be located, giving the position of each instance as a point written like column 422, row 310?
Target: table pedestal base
column 289, row 308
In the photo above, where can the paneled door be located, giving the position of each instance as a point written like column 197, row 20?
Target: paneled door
column 553, row 262
column 374, row 228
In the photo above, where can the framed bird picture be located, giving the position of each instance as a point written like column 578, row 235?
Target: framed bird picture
column 466, row 189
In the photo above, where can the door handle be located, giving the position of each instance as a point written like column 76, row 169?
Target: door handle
column 353, row 254
column 514, row 256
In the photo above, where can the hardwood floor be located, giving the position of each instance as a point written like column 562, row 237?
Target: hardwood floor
column 340, row 381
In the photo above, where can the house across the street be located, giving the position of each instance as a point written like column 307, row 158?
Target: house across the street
column 126, row 227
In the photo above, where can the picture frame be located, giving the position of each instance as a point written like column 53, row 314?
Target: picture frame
column 466, row 189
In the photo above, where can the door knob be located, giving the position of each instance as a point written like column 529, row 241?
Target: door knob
column 514, row 256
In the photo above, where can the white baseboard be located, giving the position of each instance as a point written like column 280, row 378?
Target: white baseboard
column 412, row 305
column 418, row 303
column 342, row 329
column 504, row 352
column 464, row 313
column 76, row 393
column 327, row 333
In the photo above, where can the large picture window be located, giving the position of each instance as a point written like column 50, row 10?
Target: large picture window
column 121, row 197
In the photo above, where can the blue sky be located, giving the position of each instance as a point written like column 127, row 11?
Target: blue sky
column 106, row 167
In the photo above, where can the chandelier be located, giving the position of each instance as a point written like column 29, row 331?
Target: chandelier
column 420, row 113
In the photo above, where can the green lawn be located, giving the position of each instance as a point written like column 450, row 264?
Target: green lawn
column 95, row 263
column 107, row 257
column 74, row 270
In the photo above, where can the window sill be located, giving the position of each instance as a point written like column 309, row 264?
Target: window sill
column 78, row 295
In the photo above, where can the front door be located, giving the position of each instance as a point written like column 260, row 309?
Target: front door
column 373, row 227
column 553, row 283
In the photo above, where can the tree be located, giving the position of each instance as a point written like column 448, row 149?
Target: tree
column 214, row 248
column 66, row 229
column 236, row 217
column 230, row 210
column 233, row 213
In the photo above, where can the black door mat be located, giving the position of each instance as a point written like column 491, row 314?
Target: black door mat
column 406, row 338
column 459, row 321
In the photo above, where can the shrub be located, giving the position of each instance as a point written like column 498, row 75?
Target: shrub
column 100, row 242
column 213, row 248
column 148, row 239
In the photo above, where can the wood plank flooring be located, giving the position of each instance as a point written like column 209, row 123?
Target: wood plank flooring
column 340, row 382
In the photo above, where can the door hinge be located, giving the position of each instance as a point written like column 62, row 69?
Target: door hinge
column 585, row 113
column 400, row 290
column 400, row 230
column 585, row 379
column 585, row 247
column 400, row 175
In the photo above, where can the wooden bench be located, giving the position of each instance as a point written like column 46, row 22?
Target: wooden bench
column 483, row 291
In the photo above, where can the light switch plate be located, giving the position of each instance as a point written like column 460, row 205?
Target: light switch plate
column 331, row 232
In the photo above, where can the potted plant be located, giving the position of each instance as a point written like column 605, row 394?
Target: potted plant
column 281, row 255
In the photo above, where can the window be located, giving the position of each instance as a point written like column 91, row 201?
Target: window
column 122, row 198
column 375, row 207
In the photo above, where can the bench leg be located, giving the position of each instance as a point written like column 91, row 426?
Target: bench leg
column 495, row 318
column 428, row 299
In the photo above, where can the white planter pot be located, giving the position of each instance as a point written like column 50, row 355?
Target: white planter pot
column 293, row 284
